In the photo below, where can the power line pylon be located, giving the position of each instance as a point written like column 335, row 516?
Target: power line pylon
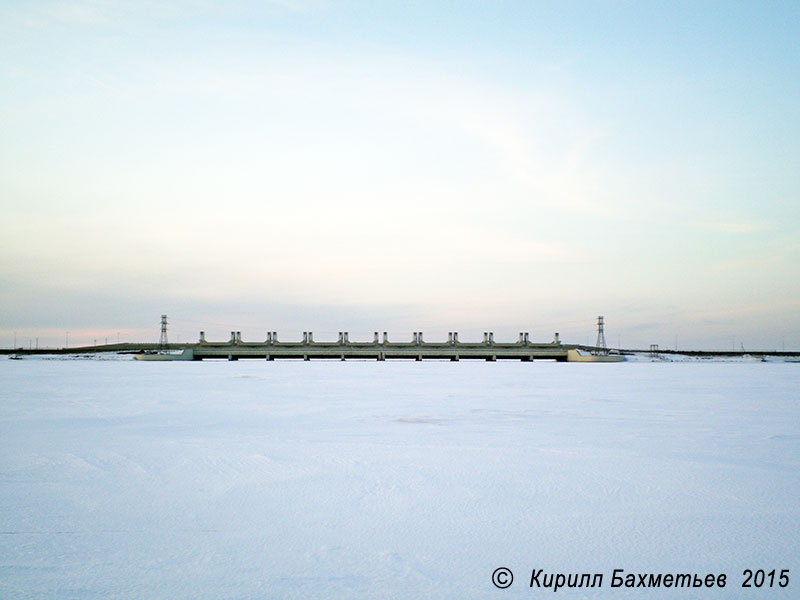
column 601, row 338
column 163, row 341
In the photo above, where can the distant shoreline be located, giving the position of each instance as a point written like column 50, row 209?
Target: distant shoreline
column 426, row 352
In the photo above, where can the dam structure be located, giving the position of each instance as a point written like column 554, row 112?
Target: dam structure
column 380, row 348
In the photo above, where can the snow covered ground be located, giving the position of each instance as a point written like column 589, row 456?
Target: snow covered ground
column 126, row 479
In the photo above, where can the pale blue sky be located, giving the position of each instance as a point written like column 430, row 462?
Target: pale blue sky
column 298, row 165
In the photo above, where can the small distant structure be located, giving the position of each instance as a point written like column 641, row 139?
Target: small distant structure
column 162, row 342
column 600, row 346
column 654, row 351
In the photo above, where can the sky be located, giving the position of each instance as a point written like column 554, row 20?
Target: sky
column 432, row 166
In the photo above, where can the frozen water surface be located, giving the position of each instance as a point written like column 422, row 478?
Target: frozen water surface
column 392, row 480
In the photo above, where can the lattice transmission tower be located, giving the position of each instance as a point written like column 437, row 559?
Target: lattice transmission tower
column 601, row 337
column 163, row 341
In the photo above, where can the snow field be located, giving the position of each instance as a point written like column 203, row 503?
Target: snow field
column 391, row 480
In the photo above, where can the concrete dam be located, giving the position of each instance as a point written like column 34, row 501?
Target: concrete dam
column 380, row 348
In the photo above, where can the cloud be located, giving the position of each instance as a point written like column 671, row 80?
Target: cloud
column 734, row 228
